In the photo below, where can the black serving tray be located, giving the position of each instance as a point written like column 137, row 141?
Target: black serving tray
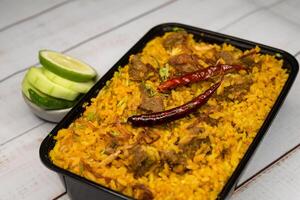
column 81, row 188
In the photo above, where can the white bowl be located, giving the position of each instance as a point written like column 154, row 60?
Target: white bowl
column 48, row 115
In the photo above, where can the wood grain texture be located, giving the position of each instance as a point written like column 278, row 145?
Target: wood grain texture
column 64, row 27
column 272, row 26
column 23, row 176
column 18, row 120
column 101, row 52
column 281, row 181
column 22, row 119
column 13, row 12
column 99, row 32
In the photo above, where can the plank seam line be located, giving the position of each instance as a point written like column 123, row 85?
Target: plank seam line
column 120, row 25
column 62, row 194
column 250, row 13
column 131, row 20
column 99, row 35
column 297, row 54
column 87, row 40
column 35, row 15
column 269, row 167
column 17, row 136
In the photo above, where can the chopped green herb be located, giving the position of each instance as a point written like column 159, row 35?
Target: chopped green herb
column 115, row 133
column 90, row 116
column 102, row 151
column 278, row 55
column 149, row 89
column 81, row 168
column 164, row 73
column 122, row 101
column 79, row 126
column 177, row 29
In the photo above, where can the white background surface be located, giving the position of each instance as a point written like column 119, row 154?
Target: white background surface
column 100, row 32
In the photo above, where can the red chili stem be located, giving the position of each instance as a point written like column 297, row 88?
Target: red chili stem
column 197, row 76
column 174, row 113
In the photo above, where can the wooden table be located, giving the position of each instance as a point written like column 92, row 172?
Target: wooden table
column 100, row 32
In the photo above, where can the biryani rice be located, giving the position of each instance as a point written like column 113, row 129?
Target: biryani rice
column 82, row 147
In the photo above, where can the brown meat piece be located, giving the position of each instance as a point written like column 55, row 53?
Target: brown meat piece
column 194, row 128
column 247, row 61
column 175, row 39
column 111, row 147
column 238, row 91
column 193, row 145
column 211, row 57
column 207, row 119
column 147, row 137
column 185, row 63
column 227, row 56
column 144, row 192
column 176, row 161
column 150, row 103
column 224, row 152
column 140, row 161
column 139, row 71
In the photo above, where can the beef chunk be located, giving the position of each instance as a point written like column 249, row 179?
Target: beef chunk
column 247, row 61
column 148, row 137
column 207, row 119
column 193, row 128
column 227, row 56
column 150, row 102
column 235, row 92
column 140, row 161
column 175, row 39
column 176, row 161
column 185, row 63
column 193, row 145
column 139, row 71
column 144, row 193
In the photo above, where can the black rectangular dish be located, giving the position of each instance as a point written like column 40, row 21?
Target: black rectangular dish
column 81, row 188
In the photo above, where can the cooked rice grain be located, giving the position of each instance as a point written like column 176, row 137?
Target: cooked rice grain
column 101, row 146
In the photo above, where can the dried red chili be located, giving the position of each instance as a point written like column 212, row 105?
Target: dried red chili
column 197, row 76
column 174, row 113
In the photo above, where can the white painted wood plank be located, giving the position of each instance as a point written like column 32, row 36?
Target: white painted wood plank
column 64, row 197
column 16, row 117
column 116, row 43
column 272, row 26
column 64, row 27
column 281, row 181
column 15, row 122
column 104, row 51
column 22, row 175
column 12, row 11
column 289, row 11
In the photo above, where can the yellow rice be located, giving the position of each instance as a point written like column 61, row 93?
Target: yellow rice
column 80, row 147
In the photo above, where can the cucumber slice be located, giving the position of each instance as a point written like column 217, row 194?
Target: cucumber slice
column 37, row 79
column 47, row 102
column 66, row 66
column 26, row 86
column 82, row 87
column 43, row 100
